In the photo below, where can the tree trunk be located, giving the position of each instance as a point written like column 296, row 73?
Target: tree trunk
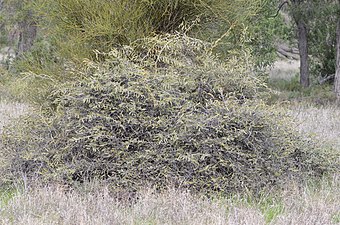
column 27, row 34
column 337, row 70
column 303, row 49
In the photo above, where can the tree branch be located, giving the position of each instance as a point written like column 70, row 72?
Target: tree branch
column 280, row 7
column 326, row 78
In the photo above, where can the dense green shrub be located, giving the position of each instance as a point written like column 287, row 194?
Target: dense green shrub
column 322, row 40
column 197, row 124
column 79, row 27
column 75, row 29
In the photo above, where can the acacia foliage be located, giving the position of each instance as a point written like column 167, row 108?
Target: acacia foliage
column 170, row 115
column 73, row 30
column 79, row 27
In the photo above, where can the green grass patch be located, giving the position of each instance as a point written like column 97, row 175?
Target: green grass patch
column 336, row 218
column 271, row 208
column 7, row 194
column 291, row 90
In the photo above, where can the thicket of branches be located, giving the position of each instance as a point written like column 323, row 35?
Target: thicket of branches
column 168, row 114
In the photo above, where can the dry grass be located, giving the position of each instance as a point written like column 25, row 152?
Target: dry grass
column 284, row 70
column 317, row 204
column 52, row 206
column 9, row 111
column 321, row 122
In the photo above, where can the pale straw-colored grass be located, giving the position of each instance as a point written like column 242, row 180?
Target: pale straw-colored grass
column 284, row 70
column 319, row 204
column 315, row 204
column 9, row 111
column 53, row 206
column 321, row 122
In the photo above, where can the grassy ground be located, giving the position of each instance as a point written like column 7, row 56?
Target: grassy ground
column 315, row 203
column 9, row 111
column 284, row 70
column 323, row 122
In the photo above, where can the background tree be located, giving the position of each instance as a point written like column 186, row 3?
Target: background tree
column 18, row 24
column 27, row 33
column 322, row 39
column 337, row 72
column 299, row 12
column 315, row 22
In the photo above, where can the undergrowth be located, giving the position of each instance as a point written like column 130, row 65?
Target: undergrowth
column 291, row 90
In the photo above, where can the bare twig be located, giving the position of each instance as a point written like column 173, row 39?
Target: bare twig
column 279, row 9
column 326, row 78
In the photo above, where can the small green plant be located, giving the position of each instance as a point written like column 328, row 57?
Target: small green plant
column 336, row 218
column 7, row 194
column 269, row 203
column 271, row 209
column 287, row 90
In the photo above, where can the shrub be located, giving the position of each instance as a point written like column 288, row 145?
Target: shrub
column 197, row 124
column 79, row 27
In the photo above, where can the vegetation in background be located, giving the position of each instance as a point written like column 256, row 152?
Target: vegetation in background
column 323, row 40
column 337, row 68
column 19, row 27
column 80, row 27
column 74, row 29
column 315, row 22
column 70, row 31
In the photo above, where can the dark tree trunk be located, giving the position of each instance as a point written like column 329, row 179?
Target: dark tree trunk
column 27, row 34
column 2, row 24
column 337, row 70
column 303, row 49
column 299, row 10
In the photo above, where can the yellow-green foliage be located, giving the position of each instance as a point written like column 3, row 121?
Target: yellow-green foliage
column 195, row 123
column 86, row 25
column 74, row 30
